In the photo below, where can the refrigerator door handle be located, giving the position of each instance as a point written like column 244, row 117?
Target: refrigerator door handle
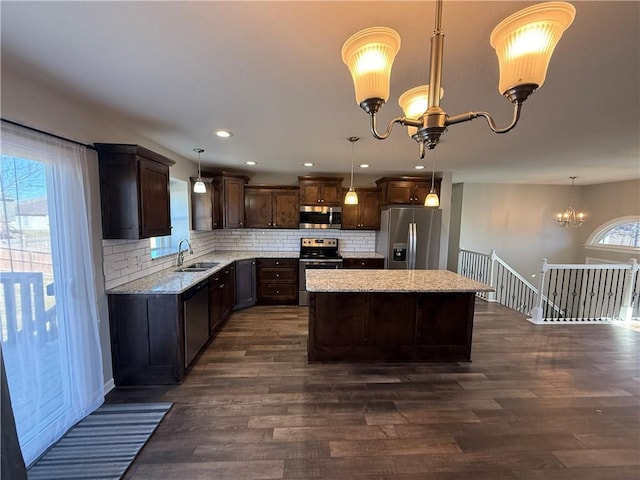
column 415, row 246
column 411, row 248
column 409, row 245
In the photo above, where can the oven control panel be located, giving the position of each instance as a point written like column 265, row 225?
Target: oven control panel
column 319, row 242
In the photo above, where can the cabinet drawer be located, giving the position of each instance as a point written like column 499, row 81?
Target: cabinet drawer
column 282, row 275
column 278, row 292
column 277, row 262
column 373, row 263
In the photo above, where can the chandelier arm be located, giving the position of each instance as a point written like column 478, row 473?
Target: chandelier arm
column 465, row 117
column 401, row 120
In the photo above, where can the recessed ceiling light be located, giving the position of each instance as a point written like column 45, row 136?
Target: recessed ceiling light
column 419, row 167
column 250, row 163
column 308, row 164
column 364, row 165
column 223, row 134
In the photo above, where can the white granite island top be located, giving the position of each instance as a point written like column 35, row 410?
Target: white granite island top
column 348, row 280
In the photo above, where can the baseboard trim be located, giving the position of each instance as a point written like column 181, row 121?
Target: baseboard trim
column 109, row 385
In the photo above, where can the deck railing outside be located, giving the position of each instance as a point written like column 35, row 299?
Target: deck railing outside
column 565, row 293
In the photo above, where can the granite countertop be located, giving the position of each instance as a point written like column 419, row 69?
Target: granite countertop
column 391, row 281
column 169, row 281
column 361, row 255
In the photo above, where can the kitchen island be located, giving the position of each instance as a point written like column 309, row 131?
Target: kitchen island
column 390, row 315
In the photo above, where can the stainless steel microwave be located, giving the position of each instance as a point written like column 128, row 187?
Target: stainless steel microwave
column 320, row 217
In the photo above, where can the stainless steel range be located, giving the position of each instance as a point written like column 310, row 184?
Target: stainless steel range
column 316, row 253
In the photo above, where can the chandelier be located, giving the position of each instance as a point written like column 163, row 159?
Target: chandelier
column 570, row 218
column 524, row 43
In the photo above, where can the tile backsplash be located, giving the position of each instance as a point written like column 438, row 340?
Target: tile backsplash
column 127, row 260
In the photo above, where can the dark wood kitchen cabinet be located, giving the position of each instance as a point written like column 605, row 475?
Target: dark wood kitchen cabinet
column 390, row 326
column 320, row 191
column 363, row 263
column 232, row 194
column 271, row 207
column 406, row 190
column 147, row 339
column 205, row 207
column 134, row 192
column 222, row 296
column 245, row 283
column 277, row 281
column 366, row 214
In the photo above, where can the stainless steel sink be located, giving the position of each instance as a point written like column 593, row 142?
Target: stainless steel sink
column 205, row 265
column 198, row 267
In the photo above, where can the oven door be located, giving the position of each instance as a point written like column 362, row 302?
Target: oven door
column 303, row 295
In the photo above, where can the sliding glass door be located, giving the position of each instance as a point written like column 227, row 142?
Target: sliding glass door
column 47, row 299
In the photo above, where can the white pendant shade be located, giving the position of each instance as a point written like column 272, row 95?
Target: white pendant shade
column 524, row 42
column 369, row 54
column 432, row 199
column 199, row 187
column 351, row 198
column 414, row 104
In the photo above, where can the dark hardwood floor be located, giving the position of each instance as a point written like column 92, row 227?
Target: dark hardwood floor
column 558, row 402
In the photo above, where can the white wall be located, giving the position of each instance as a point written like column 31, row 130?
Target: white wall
column 518, row 221
column 605, row 202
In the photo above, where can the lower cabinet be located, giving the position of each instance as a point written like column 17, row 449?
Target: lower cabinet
column 390, row 327
column 222, row 293
column 147, row 339
column 277, row 281
column 245, row 283
column 366, row 263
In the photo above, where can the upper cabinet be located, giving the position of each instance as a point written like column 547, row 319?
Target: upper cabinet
column 366, row 214
column 406, row 190
column 205, row 207
column 322, row 191
column 232, row 193
column 134, row 192
column 222, row 205
column 271, row 207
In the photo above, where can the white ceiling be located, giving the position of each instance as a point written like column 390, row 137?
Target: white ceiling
column 271, row 72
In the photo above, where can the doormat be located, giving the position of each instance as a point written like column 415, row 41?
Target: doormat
column 102, row 445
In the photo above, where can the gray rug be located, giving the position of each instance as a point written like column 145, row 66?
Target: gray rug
column 101, row 446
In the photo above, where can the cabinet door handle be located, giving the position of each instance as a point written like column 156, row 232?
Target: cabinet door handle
column 277, row 263
column 277, row 275
column 221, row 286
column 277, row 291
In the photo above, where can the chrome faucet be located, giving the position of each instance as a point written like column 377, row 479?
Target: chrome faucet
column 180, row 259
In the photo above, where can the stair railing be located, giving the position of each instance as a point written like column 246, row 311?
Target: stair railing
column 566, row 293
column 587, row 293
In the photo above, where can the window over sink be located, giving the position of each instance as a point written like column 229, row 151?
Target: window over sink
column 168, row 245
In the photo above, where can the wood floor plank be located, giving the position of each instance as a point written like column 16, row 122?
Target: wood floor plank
column 535, row 403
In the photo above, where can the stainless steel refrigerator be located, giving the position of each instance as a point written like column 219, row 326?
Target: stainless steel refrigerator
column 409, row 238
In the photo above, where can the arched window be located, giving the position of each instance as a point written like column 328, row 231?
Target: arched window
column 621, row 234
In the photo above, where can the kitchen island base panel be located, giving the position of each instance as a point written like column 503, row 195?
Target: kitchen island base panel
column 390, row 327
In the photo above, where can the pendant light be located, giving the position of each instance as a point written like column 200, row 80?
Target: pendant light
column 199, row 186
column 351, row 198
column 432, row 199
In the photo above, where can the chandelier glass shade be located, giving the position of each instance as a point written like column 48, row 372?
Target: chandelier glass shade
column 523, row 42
column 414, row 103
column 199, row 186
